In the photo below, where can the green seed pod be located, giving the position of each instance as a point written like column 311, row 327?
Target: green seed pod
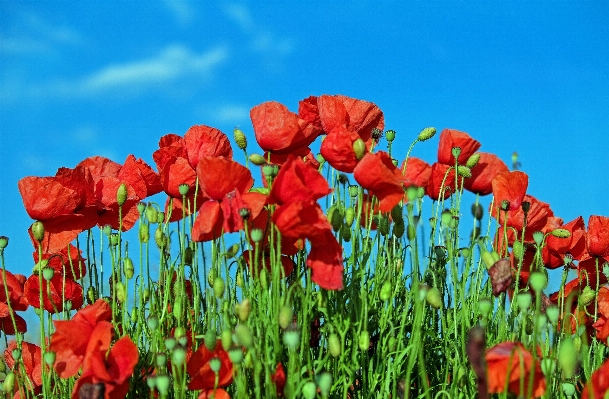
column 426, row 133
column 178, row 356
column 170, row 343
column 245, row 307
column 285, row 316
column 210, row 339
column 324, row 382
column 553, row 313
column 162, row 382
column 464, row 171
column 359, row 148
column 472, row 160
column 456, row 151
column 240, row 138
column 91, row 295
column 134, row 316
column 144, row 233
column 160, row 238
column 244, row 336
column 398, row 229
column 152, row 322
column 487, row 258
column 3, row 242
column 364, row 340
column 291, row 337
column 218, row 287
column 568, row 389
column 334, row 345
column 396, row 213
column 257, row 159
column 161, row 359
column 121, row 292
column 518, row 250
column 433, row 298
column 151, row 214
column 390, row 135
column 538, row 281
column 128, row 268
column 226, row 338
column 235, row 355
column 349, row 216
column 49, row 358
column 336, row 217
column 256, row 235
column 121, row 194
column 48, row 273
column 567, row 357
column 524, row 300
column 386, row 290
column 485, row 306
column 447, row 217
column 9, row 382
column 38, row 233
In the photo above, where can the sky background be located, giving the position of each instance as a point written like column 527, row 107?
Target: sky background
column 79, row 79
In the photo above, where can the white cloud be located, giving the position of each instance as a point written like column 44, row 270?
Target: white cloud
column 171, row 63
column 182, row 10
column 231, row 113
column 241, row 15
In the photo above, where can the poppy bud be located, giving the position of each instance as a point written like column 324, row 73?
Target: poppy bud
column 9, row 383
column 256, row 235
column 349, row 216
column 226, row 339
column 49, row 358
column 160, row 238
column 553, row 312
column 587, row 296
column 285, row 316
column 121, row 292
column 334, row 345
column 433, row 298
column 359, row 148
column 3, row 242
column 426, row 133
column 464, row 171
column 91, row 295
column 162, row 382
column 309, row 390
column 385, row 293
column 568, row 389
column 538, row 281
column 257, row 159
column 161, row 359
column 526, row 205
column 473, row 160
column 38, row 231
column 396, row 213
column 567, row 357
column 392, row 343
column 48, row 273
column 264, row 279
column 324, row 382
column 518, row 250
column 561, row 233
column 291, row 337
column 144, row 233
column 151, row 214
column 477, row 211
column 178, row 356
column 244, row 335
column 524, row 300
column 446, row 218
column 170, row 343
column 141, row 208
column 383, row 225
column 456, row 151
column 183, row 189
column 398, row 229
column 485, row 306
column 239, row 280
column 235, row 355
column 128, row 268
column 364, row 340
column 152, row 322
column 487, row 258
column 240, row 138
column 268, row 170
column 336, row 217
column 390, row 135
column 245, row 307
column 548, row 365
column 121, row 194
column 134, row 316
column 218, row 287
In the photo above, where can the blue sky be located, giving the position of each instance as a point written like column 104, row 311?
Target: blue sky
column 79, row 79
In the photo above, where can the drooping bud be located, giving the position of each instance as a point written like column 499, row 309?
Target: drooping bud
column 151, row 214
column 426, row 133
column 240, row 138
column 218, row 287
column 472, row 160
column 210, row 339
column 128, row 268
column 587, row 296
column 433, row 298
column 257, row 159
column 464, row 171
column 364, row 340
column 359, row 148
column 226, row 338
column 141, row 208
column 121, row 194
column 245, row 307
column 121, row 292
column 349, row 216
column 567, row 357
column 285, row 316
column 38, row 231
column 309, row 390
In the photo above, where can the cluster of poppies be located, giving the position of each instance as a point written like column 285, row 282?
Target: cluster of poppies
column 200, row 178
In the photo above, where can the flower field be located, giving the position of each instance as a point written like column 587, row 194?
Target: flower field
column 359, row 272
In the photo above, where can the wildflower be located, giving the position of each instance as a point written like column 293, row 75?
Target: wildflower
column 598, row 384
column 483, row 173
column 451, row 138
column 442, row 178
column 597, row 239
column 510, row 187
column 377, row 174
column 203, row 376
column 61, row 293
column 31, row 359
column 16, row 297
column 507, row 364
column 416, row 172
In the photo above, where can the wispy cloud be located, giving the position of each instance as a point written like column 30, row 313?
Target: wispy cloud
column 182, row 10
column 234, row 114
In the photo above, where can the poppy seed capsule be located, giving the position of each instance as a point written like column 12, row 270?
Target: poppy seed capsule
column 257, row 159
column 121, row 195
column 240, row 138
column 390, row 135
column 324, row 382
column 3, row 242
column 359, row 148
column 38, row 231
column 334, row 345
column 183, row 189
column 426, row 133
column 364, row 340
column 49, row 358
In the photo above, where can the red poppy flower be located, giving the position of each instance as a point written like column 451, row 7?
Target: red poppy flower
column 346, row 120
column 450, row 138
column 201, row 374
column 377, row 174
column 226, row 183
column 177, row 160
column 601, row 325
column 31, row 358
column 14, row 286
column 60, row 291
column 555, row 249
column 280, row 131
column 71, row 337
column 510, row 187
column 112, row 368
column 597, row 240
column 488, row 167
column 298, row 180
column 507, row 364
column 416, row 172
column 305, row 219
column 67, row 262
column 598, row 384
column 442, row 178
column 538, row 217
column 279, row 379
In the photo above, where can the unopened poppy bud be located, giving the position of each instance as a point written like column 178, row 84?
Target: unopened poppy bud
column 343, row 179
column 487, row 258
column 538, row 281
column 561, row 233
column 473, row 160
column 263, row 277
column 3, row 242
column 568, row 389
column 524, row 300
column 91, row 295
column 426, row 133
column 179, row 332
column 309, row 390
column 364, row 340
column 161, row 359
column 218, row 287
column 291, row 337
column 359, row 148
column 464, row 171
column 9, row 383
column 134, row 316
column 48, row 273
column 239, row 279
column 268, row 170
column 151, row 214
column 349, row 216
column 244, row 336
column 396, row 213
column 485, row 306
column 121, row 292
column 567, row 357
column 159, row 237
column 114, row 238
column 16, row 353
column 446, row 218
column 162, row 382
column 518, row 250
column 433, row 298
column 398, row 228
column 334, row 345
column 235, row 355
column 178, row 356
column 144, row 233
column 553, row 312
column 128, row 268
column 256, row 235
column 152, row 322
column 141, row 208
column 226, row 339
column 353, row 190
column 160, row 217
column 390, row 135
column 121, row 194
column 187, row 256
column 335, row 216
column 324, row 382
column 257, row 159
column 245, row 307
column 38, row 231
column 395, row 162
column 526, row 205
column 477, row 211
column 383, row 225
column 240, row 138
column 540, row 322
column 49, row 358
column 386, row 290
column 456, row 151
column 587, row 296
column 285, row 316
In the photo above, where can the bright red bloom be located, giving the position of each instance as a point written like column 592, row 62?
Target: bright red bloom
column 298, row 181
column 597, row 240
column 539, row 218
column 345, row 120
column 280, row 131
column 440, row 173
column 508, row 363
column 601, row 325
column 417, row 173
column 71, row 337
column 510, row 187
column 279, row 379
column 60, row 290
column 450, row 138
column 177, row 159
column 202, row 376
column 31, row 358
column 598, row 385
column 377, row 174
column 226, row 183
column 14, row 284
column 555, row 249
column 487, row 168
column 113, row 368
column 67, row 262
